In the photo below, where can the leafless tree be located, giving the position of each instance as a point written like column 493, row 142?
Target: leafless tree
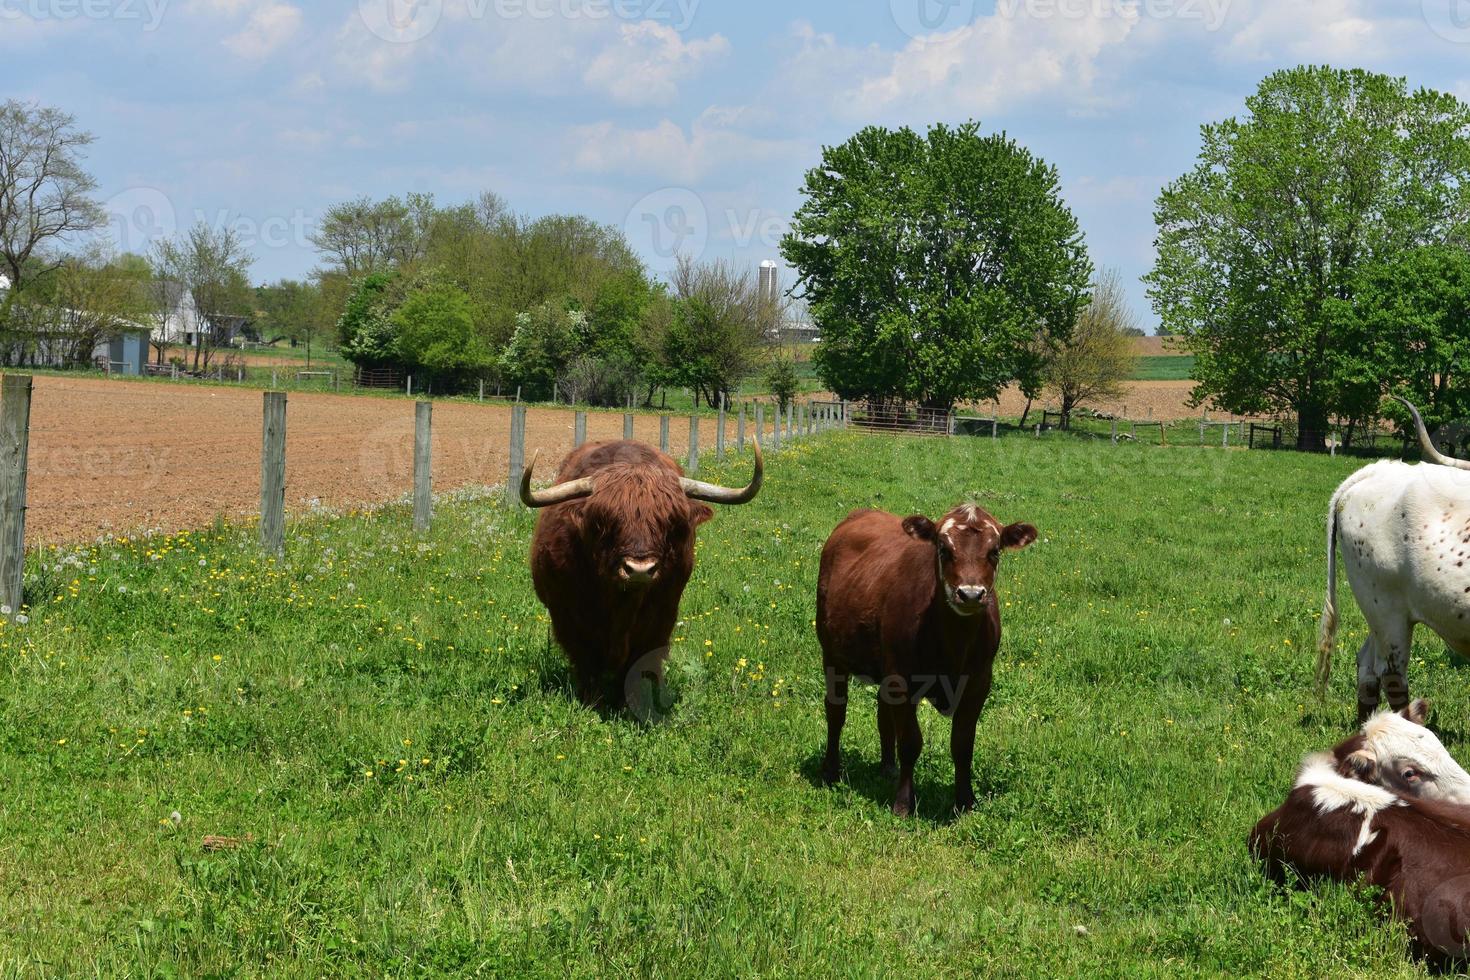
column 45, row 195
column 1098, row 357
column 211, row 265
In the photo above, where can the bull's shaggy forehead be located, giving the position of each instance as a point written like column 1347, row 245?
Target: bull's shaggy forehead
column 637, row 496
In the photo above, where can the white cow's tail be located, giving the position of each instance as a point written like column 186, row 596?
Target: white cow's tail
column 1327, row 630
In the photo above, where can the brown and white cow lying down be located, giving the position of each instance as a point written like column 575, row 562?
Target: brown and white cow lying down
column 1386, row 806
column 612, row 552
column 910, row 605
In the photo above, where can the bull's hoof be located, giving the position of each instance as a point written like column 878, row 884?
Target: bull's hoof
column 905, row 808
column 964, row 804
column 889, row 770
column 831, row 772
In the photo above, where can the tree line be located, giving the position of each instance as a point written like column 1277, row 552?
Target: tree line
column 555, row 306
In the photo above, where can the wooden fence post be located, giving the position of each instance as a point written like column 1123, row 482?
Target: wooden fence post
column 15, row 437
column 627, row 425
column 579, row 429
column 482, row 389
column 740, row 430
column 663, row 433
column 517, row 449
column 776, row 430
column 720, row 431
column 760, row 424
column 410, row 386
column 423, row 480
column 273, row 474
column 693, row 444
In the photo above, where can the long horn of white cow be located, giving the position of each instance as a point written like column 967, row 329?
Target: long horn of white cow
column 725, row 495
column 1435, row 456
column 562, row 492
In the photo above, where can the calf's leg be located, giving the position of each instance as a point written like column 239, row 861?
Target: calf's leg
column 836, row 700
column 887, row 741
column 910, row 742
column 962, row 750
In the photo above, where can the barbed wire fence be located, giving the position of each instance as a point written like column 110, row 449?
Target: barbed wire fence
column 142, row 459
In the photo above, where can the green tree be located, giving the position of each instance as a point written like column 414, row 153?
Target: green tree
column 1262, row 245
column 932, row 262
column 1410, row 321
column 781, row 379
column 546, row 339
column 365, row 331
column 720, row 325
column 435, row 331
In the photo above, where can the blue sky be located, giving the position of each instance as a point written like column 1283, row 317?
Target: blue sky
column 688, row 123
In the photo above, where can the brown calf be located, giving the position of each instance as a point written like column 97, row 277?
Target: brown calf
column 911, row 606
column 1350, row 816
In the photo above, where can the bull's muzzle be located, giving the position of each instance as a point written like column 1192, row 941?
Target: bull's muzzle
column 638, row 571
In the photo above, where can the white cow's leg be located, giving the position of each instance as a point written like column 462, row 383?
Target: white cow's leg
column 1370, row 669
column 1393, row 648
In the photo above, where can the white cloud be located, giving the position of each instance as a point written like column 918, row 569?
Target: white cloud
column 270, row 25
column 648, row 61
column 1334, row 31
column 1001, row 59
column 666, row 152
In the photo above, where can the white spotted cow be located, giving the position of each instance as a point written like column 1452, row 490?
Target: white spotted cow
column 1405, row 536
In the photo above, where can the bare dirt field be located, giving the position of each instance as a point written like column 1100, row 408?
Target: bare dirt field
column 117, row 456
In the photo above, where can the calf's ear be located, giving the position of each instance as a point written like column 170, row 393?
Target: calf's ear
column 920, row 527
column 699, row 513
column 1417, row 711
column 1017, row 536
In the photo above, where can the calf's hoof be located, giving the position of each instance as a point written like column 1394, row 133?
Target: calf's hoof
column 964, row 804
column 831, row 772
column 905, row 807
column 889, row 770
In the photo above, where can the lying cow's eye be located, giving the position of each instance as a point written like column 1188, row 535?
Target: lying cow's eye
column 1411, row 775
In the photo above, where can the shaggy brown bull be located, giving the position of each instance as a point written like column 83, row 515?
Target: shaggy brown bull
column 1375, row 808
column 911, row 606
column 612, row 552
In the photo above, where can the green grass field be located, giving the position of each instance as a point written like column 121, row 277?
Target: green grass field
column 381, row 720
column 1167, row 367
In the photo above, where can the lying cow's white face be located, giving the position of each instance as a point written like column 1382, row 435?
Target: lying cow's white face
column 1397, row 752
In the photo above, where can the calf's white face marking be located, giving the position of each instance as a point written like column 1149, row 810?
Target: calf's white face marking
column 1410, row 758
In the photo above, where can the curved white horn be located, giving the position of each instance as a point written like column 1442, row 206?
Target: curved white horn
column 1427, row 444
column 725, row 495
column 560, row 493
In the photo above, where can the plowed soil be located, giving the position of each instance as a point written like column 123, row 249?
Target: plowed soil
column 119, row 457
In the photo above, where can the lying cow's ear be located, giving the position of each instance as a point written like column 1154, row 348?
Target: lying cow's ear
column 920, row 527
column 1417, row 711
column 1017, row 536
column 699, row 513
column 1361, row 765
